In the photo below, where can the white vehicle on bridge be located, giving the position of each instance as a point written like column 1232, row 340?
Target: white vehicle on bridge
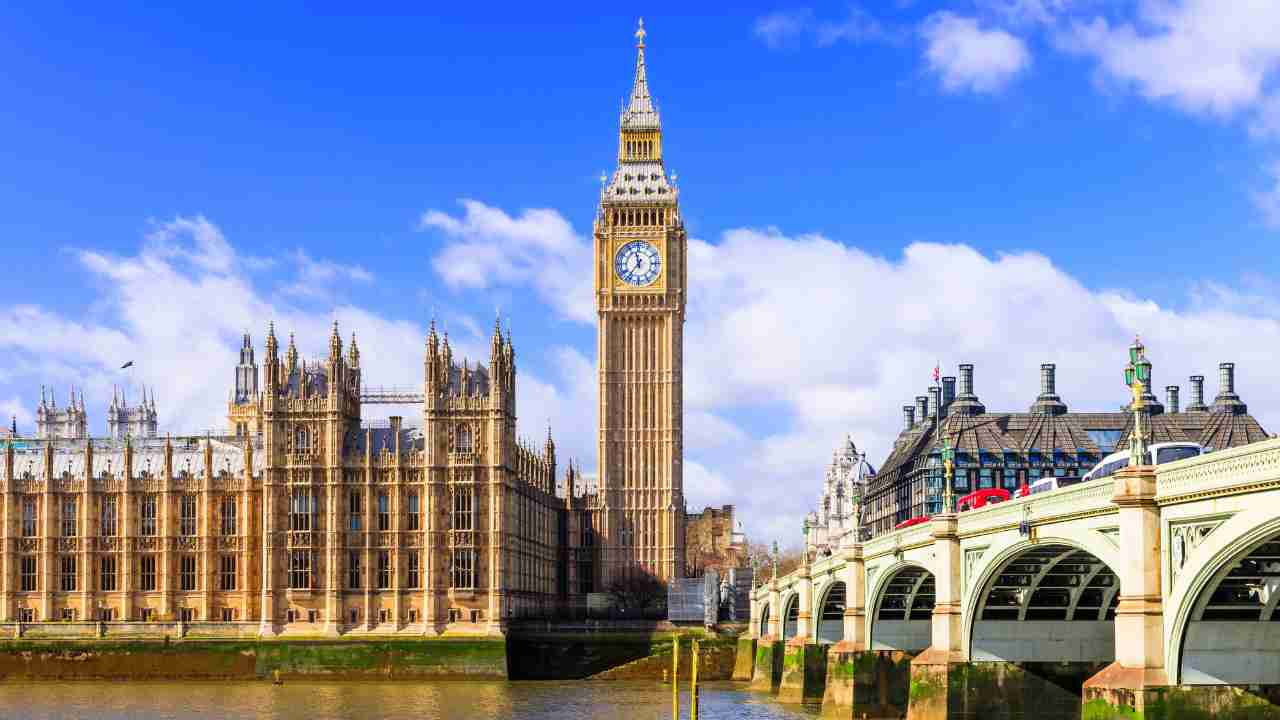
column 1162, row 452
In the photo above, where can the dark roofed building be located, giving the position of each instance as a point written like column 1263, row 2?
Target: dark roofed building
column 1009, row 449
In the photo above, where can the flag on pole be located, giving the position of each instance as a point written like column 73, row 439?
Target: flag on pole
column 130, row 364
column 937, row 373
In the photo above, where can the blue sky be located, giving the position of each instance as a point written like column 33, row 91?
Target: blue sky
column 871, row 188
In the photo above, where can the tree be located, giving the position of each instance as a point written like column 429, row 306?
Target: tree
column 637, row 592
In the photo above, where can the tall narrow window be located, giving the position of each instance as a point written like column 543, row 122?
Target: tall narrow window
column 384, row 512
column 300, row 569
column 68, row 583
column 301, row 506
column 108, row 519
column 227, row 573
column 414, row 572
column 384, row 569
column 464, row 568
column 355, row 509
column 412, row 502
column 353, row 570
column 29, row 516
column 301, row 440
column 187, row 572
column 462, row 497
column 148, row 514
column 27, row 573
column 187, row 515
column 229, row 515
column 147, row 572
column 107, row 573
column 69, row 517
column 463, row 444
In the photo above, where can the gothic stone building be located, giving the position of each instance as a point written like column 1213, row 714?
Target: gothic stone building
column 1007, row 449
column 315, row 522
column 303, row 518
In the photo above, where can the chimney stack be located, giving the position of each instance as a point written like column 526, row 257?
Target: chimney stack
column 922, row 408
column 1048, row 402
column 948, row 393
column 935, row 399
column 1197, row 395
column 1171, row 398
column 966, row 403
column 1227, row 400
column 908, row 416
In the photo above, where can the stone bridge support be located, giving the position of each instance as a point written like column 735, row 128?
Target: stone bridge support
column 853, row 685
column 767, row 670
column 1137, row 679
column 804, row 663
column 932, row 671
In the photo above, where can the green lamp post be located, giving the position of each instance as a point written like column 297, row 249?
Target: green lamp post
column 1137, row 374
column 949, row 469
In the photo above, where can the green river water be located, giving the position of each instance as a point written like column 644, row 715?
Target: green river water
column 318, row 700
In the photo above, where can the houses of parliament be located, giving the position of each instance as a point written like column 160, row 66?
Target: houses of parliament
column 305, row 518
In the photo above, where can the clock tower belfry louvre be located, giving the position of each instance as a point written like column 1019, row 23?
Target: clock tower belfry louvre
column 640, row 279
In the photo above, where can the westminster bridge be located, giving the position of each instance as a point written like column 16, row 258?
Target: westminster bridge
column 1152, row 593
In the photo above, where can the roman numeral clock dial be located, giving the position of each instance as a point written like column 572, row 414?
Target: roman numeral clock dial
column 637, row 263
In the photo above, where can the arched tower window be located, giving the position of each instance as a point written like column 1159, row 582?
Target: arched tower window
column 463, row 443
column 301, row 439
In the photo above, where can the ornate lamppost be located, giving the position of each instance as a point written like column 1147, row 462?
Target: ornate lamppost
column 774, row 557
column 949, row 470
column 1136, row 375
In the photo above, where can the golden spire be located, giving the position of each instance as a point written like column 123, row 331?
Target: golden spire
column 640, row 35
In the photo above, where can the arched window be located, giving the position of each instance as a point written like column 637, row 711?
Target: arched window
column 301, row 439
column 463, row 442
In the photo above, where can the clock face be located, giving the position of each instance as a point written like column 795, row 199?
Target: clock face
column 637, row 263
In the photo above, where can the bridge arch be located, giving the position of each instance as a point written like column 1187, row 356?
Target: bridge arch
column 790, row 615
column 1225, row 625
column 763, row 630
column 900, row 617
column 1051, row 600
column 830, row 613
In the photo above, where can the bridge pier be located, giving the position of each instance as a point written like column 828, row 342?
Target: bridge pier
column 931, row 671
column 1137, row 679
column 744, row 659
column 767, row 670
column 804, row 662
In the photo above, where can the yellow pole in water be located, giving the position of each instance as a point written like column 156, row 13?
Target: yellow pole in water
column 675, row 677
column 693, row 688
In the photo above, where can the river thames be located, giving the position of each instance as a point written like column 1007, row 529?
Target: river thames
column 317, row 700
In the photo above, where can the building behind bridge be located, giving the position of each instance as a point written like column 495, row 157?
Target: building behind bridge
column 1008, row 449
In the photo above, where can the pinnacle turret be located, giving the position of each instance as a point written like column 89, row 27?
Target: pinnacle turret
column 353, row 358
column 640, row 113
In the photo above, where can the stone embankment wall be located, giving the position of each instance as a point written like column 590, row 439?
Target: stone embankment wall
column 437, row 658
column 604, row 655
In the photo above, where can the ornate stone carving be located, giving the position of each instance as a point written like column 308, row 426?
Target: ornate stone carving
column 971, row 558
column 1185, row 537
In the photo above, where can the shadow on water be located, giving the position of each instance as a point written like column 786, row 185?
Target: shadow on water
column 318, row 700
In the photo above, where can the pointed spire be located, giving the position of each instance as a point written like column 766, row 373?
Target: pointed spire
column 640, row 112
column 271, row 339
column 335, row 343
column 354, row 359
column 291, row 355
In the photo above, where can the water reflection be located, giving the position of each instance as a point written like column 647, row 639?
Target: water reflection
column 379, row 701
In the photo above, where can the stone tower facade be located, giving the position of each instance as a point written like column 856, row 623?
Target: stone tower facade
column 59, row 423
column 132, row 421
column 640, row 279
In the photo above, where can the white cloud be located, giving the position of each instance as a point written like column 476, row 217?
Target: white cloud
column 781, row 28
column 486, row 247
column 966, row 56
column 1268, row 199
column 778, row 371
column 177, row 308
column 1202, row 55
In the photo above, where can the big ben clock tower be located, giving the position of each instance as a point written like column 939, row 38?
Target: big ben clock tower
column 640, row 277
